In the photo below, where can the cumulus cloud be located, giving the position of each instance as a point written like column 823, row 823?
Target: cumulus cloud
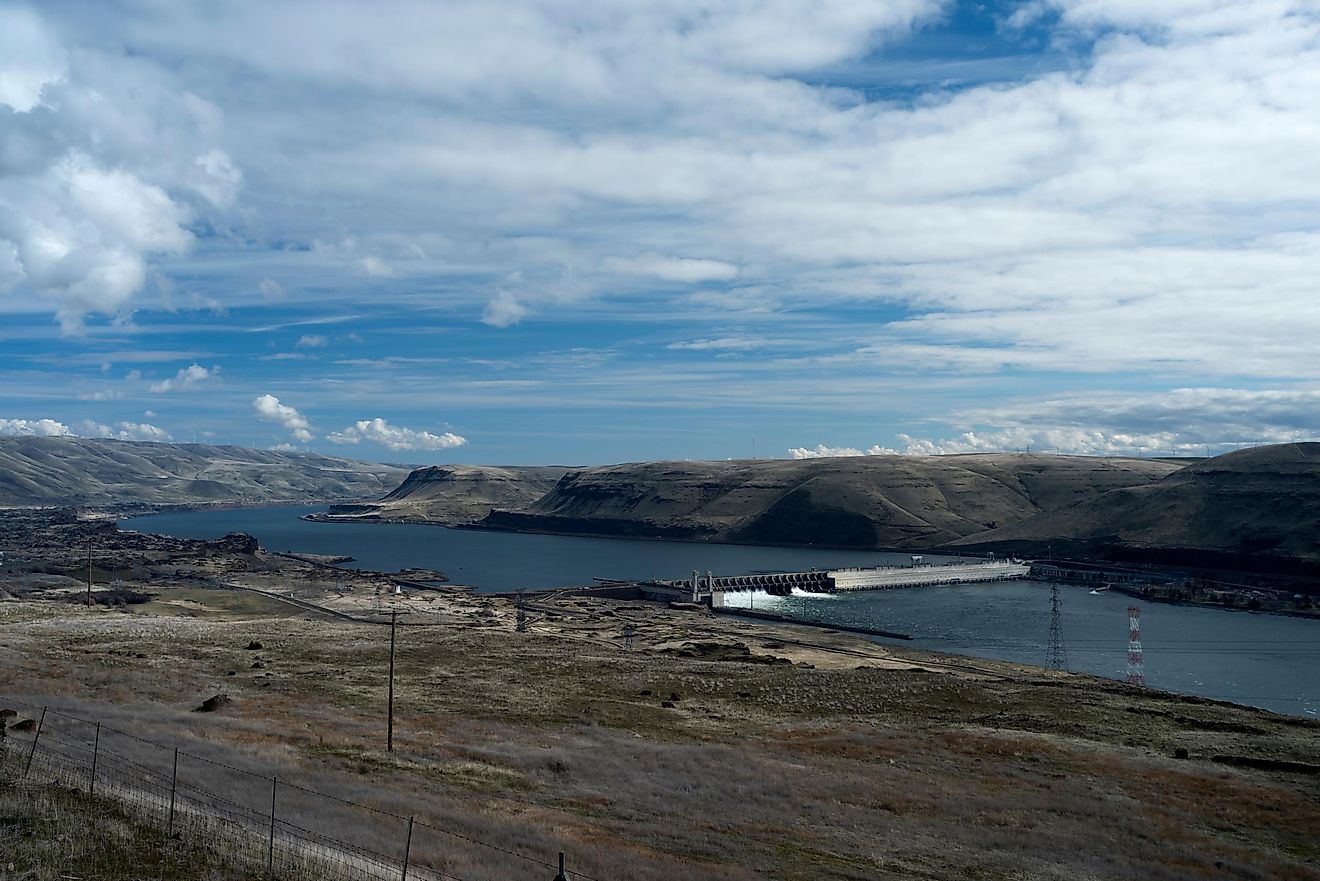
column 33, row 428
column 140, row 431
column 106, row 165
column 187, row 379
column 312, row 340
column 32, row 58
column 135, row 431
column 503, row 310
column 395, row 437
column 269, row 409
column 1190, row 421
column 820, row 451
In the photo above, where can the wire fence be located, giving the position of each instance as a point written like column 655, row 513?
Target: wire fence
column 247, row 820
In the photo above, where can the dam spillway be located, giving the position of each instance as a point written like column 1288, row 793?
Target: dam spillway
column 852, row 579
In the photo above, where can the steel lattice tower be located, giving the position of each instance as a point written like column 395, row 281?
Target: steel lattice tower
column 1136, row 662
column 1057, row 658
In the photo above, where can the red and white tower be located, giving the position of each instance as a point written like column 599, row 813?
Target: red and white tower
column 1136, row 663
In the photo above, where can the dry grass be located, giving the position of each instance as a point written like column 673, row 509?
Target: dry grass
column 560, row 741
column 48, row 833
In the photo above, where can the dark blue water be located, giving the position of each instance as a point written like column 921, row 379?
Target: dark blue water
column 495, row 561
column 1269, row 661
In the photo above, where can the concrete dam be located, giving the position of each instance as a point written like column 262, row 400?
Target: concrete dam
column 710, row 586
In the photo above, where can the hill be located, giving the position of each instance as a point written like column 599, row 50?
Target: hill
column 79, row 471
column 858, row 502
column 1250, row 505
column 453, row 494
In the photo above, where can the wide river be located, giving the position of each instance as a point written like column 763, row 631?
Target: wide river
column 1269, row 661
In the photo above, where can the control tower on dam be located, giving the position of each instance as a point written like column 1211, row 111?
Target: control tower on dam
column 872, row 578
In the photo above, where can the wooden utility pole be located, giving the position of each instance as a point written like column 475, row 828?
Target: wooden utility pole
column 89, row 573
column 389, row 718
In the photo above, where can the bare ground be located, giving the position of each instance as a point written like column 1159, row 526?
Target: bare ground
column 684, row 757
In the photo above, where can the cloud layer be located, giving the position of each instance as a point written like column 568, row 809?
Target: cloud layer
column 675, row 188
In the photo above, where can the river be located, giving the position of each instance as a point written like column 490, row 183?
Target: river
column 1269, row 661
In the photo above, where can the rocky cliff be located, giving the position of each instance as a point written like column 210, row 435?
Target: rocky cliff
column 453, row 494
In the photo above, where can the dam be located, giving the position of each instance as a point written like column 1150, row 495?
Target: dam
column 711, row 587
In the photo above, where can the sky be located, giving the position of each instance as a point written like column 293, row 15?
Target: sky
column 532, row 231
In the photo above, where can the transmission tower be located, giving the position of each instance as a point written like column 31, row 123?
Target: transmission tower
column 1136, row 663
column 1058, row 654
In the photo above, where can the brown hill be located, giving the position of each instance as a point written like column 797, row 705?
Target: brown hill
column 861, row 502
column 79, row 471
column 1253, row 504
column 454, row 494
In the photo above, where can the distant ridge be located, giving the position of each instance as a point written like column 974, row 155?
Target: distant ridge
column 854, row 502
column 1242, row 508
column 80, row 471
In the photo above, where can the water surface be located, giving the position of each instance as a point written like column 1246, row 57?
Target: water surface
column 1269, row 661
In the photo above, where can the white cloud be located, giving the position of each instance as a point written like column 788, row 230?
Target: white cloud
column 270, row 289
column 269, row 408
column 33, row 428
column 1190, row 421
column 503, row 310
column 284, row 448
column 186, row 379
column 312, row 340
column 103, row 395
column 376, row 267
column 32, row 58
column 395, row 437
column 682, row 269
column 820, row 451
column 140, row 431
column 134, row 431
column 103, row 157
column 723, row 344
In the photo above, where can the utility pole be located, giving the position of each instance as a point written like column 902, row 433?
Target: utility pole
column 89, row 573
column 389, row 719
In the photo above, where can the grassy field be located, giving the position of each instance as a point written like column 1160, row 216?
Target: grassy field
column 846, row 761
column 52, row 834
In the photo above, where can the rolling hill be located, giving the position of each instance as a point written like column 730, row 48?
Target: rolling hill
column 859, row 502
column 79, row 471
column 1246, row 506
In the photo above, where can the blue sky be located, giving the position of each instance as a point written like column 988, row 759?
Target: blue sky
column 593, row 232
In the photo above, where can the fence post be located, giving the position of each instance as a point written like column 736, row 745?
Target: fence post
column 96, row 752
column 35, row 737
column 174, row 786
column 407, row 849
column 270, row 851
column 561, row 876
